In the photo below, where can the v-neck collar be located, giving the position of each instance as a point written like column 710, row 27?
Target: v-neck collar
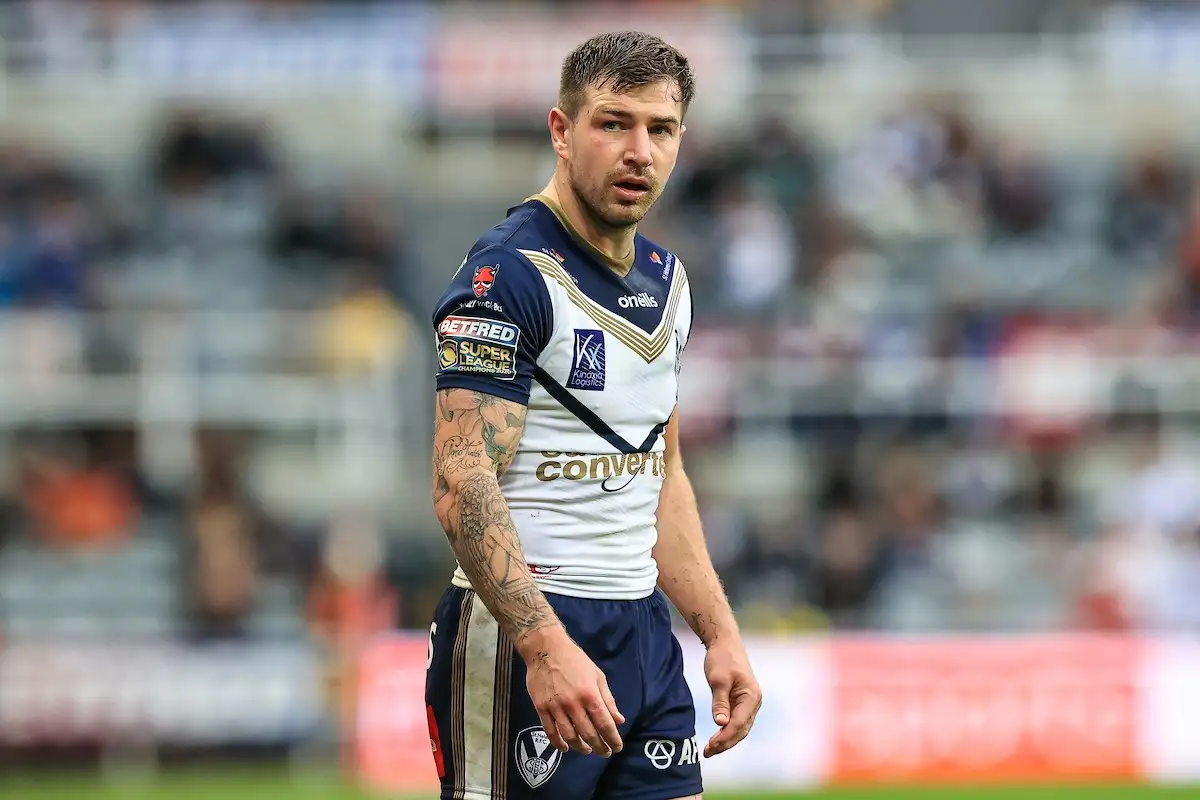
column 620, row 267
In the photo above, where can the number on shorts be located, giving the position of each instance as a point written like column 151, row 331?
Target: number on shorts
column 429, row 658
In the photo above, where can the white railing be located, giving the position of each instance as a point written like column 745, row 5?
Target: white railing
column 173, row 373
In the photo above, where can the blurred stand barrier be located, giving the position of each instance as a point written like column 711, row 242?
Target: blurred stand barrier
column 380, row 70
column 123, row 695
column 1043, row 378
column 858, row 710
column 337, row 374
column 363, row 391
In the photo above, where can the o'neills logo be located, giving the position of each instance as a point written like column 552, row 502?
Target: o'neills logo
column 615, row 471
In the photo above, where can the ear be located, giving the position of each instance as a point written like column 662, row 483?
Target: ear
column 560, row 131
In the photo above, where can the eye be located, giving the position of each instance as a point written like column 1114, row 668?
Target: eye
column 662, row 130
column 612, row 125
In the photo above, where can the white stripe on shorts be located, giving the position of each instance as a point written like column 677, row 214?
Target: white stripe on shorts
column 479, row 698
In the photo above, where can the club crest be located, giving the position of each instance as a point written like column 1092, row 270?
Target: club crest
column 536, row 757
column 484, row 277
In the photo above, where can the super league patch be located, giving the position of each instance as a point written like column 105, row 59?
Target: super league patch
column 587, row 362
column 477, row 346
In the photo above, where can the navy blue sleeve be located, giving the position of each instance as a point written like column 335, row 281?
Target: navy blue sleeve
column 492, row 324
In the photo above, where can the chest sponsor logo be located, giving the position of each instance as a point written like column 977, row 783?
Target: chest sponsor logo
column 639, row 300
column 614, row 472
column 587, row 361
column 536, row 757
column 478, row 347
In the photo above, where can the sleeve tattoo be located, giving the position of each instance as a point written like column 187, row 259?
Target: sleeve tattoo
column 475, row 439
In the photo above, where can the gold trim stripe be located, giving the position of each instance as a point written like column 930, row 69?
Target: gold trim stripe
column 647, row 346
column 458, row 695
column 663, row 330
column 500, row 718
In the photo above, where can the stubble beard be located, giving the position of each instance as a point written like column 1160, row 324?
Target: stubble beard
column 615, row 216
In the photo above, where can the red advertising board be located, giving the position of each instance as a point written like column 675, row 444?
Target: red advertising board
column 500, row 59
column 392, row 750
column 852, row 711
column 978, row 710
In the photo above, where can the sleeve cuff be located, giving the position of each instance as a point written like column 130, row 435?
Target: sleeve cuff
column 506, row 390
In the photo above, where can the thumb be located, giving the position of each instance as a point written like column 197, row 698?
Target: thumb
column 720, row 704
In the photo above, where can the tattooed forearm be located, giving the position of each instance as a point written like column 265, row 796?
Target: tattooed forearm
column 475, row 440
column 488, row 548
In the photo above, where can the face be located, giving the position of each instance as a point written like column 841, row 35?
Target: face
column 620, row 150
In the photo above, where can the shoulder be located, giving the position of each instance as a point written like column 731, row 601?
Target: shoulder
column 495, row 267
column 497, row 284
column 507, row 247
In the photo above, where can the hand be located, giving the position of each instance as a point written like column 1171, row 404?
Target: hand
column 571, row 695
column 736, row 694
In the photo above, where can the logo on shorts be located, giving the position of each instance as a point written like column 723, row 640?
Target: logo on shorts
column 661, row 753
column 587, row 362
column 482, row 280
column 536, row 758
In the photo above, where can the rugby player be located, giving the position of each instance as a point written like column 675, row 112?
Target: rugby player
column 553, row 670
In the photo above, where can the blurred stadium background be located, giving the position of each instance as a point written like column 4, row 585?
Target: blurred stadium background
column 941, row 405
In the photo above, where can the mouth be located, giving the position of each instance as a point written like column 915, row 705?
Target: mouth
column 632, row 188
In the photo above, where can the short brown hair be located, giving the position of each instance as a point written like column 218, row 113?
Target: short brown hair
column 623, row 60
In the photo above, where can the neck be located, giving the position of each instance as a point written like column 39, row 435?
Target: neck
column 616, row 244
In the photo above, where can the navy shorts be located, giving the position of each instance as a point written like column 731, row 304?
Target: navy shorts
column 488, row 742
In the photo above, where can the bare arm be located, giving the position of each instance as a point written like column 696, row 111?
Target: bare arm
column 687, row 576
column 475, row 439
column 685, row 569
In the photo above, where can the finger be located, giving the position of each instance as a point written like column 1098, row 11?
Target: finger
column 570, row 737
column 611, row 702
column 552, row 730
column 741, row 719
column 606, row 726
column 587, row 731
column 720, row 703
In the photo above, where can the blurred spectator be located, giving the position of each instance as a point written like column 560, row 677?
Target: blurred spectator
column 781, row 160
column 1017, row 192
column 848, row 283
column 301, row 229
column 911, row 516
column 1156, row 492
column 365, row 330
column 232, row 541
column 848, row 568
column 756, row 249
column 1146, row 205
column 918, row 171
column 349, row 599
column 58, row 271
column 225, row 570
column 73, row 495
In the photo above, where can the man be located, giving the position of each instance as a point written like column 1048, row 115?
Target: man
column 553, row 671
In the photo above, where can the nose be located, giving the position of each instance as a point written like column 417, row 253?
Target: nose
column 638, row 151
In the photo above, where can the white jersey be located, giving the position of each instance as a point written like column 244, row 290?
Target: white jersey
column 537, row 316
